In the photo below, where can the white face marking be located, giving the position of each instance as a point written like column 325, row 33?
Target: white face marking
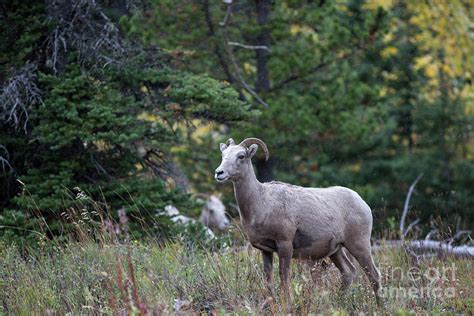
column 233, row 158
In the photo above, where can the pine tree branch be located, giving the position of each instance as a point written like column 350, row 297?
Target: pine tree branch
column 313, row 70
column 372, row 32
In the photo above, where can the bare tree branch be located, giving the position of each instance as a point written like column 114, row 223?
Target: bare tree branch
column 18, row 94
column 233, row 60
column 100, row 169
column 410, row 227
column 83, row 26
column 4, row 159
column 432, row 232
column 211, row 32
column 406, row 206
column 458, row 235
column 79, row 25
column 165, row 168
column 241, row 79
column 224, row 22
column 249, row 46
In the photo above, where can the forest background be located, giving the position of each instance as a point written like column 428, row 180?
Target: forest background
column 126, row 102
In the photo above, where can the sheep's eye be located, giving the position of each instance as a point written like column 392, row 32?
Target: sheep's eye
column 241, row 157
column 211, row 211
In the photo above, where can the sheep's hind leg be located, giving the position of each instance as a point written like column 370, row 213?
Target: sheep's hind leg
column 344, row 265
column 363, row 255
column 267, row 266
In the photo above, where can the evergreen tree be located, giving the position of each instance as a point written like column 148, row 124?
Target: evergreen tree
column 341, row 87
column 86, row 110
column 311, row 67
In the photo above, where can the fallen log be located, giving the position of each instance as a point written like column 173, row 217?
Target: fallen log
column 439, row 246
column 427, row 246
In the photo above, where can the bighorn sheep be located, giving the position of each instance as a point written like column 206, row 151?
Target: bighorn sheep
column 298, row 222
column 213, row 216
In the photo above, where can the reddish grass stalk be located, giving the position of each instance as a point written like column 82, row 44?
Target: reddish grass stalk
column 122, row 285
column 112, row 301
column 131, row 271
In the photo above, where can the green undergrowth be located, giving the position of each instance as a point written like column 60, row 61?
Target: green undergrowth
column 145, row 277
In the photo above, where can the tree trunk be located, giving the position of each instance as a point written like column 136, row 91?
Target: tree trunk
column 407, row 124
column 217, row 51
column 446, row 105
column 264, row 169
column 179, row 177
column 263, row 39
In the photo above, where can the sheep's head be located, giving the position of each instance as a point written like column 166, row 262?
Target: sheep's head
column 213, row 214
column 236, row 159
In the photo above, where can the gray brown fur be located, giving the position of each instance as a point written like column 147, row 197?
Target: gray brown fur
column 298, row 222
column 213, row 214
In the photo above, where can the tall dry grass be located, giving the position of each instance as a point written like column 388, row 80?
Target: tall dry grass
column 101, row 270
column 149, row 278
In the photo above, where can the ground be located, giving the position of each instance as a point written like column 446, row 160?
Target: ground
column 147, row 277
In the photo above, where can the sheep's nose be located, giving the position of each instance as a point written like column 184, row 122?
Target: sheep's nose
column 219, row 172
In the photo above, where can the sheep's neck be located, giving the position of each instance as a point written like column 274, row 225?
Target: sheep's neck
column 247, row 192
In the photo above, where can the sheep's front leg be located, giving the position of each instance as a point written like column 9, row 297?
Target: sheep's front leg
column 285, row 253
column 267, row 265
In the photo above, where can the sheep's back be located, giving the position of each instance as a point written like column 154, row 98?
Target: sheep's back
column 334, row 209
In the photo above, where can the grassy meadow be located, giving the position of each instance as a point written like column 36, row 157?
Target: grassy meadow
column 104, row 276
column 110, row 111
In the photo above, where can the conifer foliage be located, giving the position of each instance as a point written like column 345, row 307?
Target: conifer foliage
column 85, row 109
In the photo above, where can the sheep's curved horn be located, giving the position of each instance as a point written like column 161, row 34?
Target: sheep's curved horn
column 229, row 142
column 249, row 141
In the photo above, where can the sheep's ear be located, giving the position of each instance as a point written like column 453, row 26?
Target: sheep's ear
column 223, row 147
column 252, row 150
